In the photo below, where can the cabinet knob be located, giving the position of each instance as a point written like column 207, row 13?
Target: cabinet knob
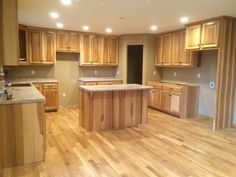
column 202, row 44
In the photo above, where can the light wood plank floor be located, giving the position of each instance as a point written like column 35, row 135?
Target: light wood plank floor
column 166, row 146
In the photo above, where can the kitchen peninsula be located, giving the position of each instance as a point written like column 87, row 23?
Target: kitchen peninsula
column 104, row 107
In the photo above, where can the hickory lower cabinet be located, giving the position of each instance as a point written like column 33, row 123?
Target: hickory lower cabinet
column 50, row 92
column 175, row 99
column 23, row 134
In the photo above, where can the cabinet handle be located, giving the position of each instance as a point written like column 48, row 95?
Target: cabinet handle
column 202, row 44
column 198, row 45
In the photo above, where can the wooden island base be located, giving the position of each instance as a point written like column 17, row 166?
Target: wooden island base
column 107, row 110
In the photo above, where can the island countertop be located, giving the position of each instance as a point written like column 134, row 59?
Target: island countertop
column 118, row 87
column 97, row 79
column 22, row 95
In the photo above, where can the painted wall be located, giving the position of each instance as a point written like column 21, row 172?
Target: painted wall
column 148, row 42
column 207, row 70
column 66, row 71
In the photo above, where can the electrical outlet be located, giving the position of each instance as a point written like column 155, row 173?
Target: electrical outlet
column 175, row 74
column 95, row 72
column 64, row 94
column 33, row 72
column 118, row 72
column 198, row 75
column 212, row 85
column 154, row 73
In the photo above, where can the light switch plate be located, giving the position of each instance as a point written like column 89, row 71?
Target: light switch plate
column 198, row 75
column 175, row 74
column 95, row 72
column 154, row 73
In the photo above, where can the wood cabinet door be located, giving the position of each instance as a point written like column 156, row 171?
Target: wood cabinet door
column 51, row 96
column 166, row 49
column 85, row 49
column 74, row 42
column 49, row 47
column 210, row 34
column 159, row 50
column 39, row 86
column 62, row 41
column 95, row 49
column 176, row 49
column 113, row 50
column 105, row 50
column 151, row 98
column 165, row 100
column 193, row 37
column 35, row 38
column 157, row 99
column 175, row 103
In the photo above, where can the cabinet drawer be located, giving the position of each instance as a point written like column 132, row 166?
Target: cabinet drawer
column 38, row 86
column 90, row 83
column 117, row 82
column 49, row 86
column 177, row 89
column 104, row 83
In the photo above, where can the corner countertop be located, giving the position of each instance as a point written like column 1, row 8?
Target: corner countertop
column 34, row 80
column 97, row 79
column 118, row 87
column 24, row 95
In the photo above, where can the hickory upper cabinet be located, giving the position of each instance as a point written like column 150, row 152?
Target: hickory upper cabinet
column 170, row 51
column 163, row 49
column 203, row 36
column 90, row 53
column 109, row 50
column 41, row 46
column 68, row 41
column 180, row 56
column 98, row 50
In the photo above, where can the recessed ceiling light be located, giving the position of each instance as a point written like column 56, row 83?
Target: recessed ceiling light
column 66, row 2
column 108, row 30
column 85, row 28
column 184, row 19
column 54, row 15
column 153, row 28
column 60, row 25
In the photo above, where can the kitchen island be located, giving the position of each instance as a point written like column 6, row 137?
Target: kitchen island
column 22, row 127
column 109, row 107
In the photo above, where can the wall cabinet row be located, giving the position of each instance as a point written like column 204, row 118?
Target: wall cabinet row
column 170, row 51
column 203, row 35
column 50, row 92
column 98, row 50
column 178, row 100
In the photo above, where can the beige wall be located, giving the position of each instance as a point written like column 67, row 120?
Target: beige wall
column 147, row 41
column 207, row 70
column 66, row 71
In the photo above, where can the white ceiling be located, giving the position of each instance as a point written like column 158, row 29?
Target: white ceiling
column 138, row 15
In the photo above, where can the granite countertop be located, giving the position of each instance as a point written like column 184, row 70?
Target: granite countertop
column 94, row 79
column 118, row 87
column 23, row 95
column 34, row 80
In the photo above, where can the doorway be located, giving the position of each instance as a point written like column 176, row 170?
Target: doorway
column 135, row 64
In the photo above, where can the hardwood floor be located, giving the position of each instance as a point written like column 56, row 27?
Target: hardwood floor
column 166, row 146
